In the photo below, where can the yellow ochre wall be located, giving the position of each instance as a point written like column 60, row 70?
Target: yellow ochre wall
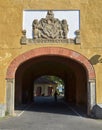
column 11, row 16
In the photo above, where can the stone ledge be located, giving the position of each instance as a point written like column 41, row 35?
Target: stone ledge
column 25, row 41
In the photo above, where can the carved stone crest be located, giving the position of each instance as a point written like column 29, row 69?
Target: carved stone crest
column 50, row 28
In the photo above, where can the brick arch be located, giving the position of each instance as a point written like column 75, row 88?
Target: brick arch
column 58, row 51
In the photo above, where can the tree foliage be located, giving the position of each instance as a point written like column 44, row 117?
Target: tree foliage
column 56, row 79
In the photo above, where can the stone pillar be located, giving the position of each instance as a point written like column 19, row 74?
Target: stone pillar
column 10, row 96
column 2, row 110
column 91, row 96
column 77, row 39
column 23, row 39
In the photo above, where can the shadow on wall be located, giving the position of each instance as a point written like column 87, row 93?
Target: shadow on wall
column 96, row 59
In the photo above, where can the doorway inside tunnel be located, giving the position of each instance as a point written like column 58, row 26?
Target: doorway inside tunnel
column 73, row 68
column 72, row 73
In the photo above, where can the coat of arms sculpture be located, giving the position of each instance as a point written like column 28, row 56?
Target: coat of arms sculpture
column 49, row 30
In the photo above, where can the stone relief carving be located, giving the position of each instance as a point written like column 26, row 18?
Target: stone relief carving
column 50, row 30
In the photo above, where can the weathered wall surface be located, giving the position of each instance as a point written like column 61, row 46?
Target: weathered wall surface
column 11, row 14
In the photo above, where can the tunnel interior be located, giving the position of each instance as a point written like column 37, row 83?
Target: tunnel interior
column 70, row 71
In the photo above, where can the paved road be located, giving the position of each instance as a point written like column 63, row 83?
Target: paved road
column 45, row 115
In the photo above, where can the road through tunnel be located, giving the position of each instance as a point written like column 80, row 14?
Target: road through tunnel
column 71, row 72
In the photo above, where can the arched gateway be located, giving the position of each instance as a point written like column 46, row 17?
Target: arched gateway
column 54, row 55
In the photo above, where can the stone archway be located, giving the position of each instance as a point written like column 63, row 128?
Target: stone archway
column 43, row 51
